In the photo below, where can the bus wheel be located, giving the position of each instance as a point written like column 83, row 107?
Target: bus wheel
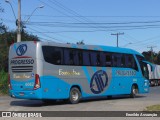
column 134, row 91
column 75, row 95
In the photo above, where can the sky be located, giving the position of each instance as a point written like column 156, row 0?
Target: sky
column 92, row 21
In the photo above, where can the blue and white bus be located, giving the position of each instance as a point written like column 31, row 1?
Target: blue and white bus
column 51, row 71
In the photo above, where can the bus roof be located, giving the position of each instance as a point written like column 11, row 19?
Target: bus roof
column 94, row 47
column 90, row 47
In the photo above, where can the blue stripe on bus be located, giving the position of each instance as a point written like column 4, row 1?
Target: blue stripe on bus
column 86, row 73
column 15, row 47
column 94, row 69
column 74, row 46
column 104, row 68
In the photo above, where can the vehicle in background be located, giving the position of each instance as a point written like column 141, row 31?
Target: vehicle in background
column 154, row 74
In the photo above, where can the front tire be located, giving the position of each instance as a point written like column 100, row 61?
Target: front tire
column 75, row 95
column 134, row 91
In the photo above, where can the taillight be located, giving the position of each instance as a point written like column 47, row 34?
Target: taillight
column 9, row 82
column 37, row 82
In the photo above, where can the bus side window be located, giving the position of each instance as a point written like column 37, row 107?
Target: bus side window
column 123, row 61
column 130, row 62
column 80, row 57
column 114, row 59
column 52, row 55
column 57, row 56
column 46, row 53
column 93, row 56
column 66, row 57
column 98, row 60
column 86, row 58
column 117, row 60
column 71, row 57
column 108, row 60
column 75, row 57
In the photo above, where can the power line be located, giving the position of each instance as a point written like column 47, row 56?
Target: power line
column 58, row 10
column 64, row 36
column 141, row 41
column 102, row 30
column 73, row 13
column 48, row 35
column 100, row 23
column 91, row 16
column 86, row 26
column 68, row 10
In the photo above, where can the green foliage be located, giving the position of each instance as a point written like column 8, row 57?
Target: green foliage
column 3, row 82
column 153, row 108
column 152, row 57
column 2, row 28
column 6, row 39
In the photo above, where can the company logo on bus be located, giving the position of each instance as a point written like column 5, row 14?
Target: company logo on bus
column 99, row 82
column 21, row 50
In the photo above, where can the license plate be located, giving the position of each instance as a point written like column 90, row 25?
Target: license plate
column 21, row 94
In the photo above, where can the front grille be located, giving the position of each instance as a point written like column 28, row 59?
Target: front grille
column 18, row 69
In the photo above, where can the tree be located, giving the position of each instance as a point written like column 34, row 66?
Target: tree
column 152, row 57
column 2, row 28
column 147, row 55
column 6, row 39
column 80, row 42
column 158, row 58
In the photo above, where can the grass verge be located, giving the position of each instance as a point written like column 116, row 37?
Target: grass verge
column 3, row 82
column 153, row 108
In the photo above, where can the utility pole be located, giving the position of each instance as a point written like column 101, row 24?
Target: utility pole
column 117, row 34
column 151, row 48
column 19, row 22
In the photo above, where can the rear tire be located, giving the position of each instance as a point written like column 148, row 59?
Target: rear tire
column 75, row 95
column 134, row 91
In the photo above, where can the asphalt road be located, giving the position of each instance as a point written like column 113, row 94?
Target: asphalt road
column 117, row 103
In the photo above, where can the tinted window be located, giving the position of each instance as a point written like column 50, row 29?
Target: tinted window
column 52, row 55
column 78, row 57
column 67, row 60
column 130, row 62
column 86, row 58
column 95, row 58
column 71, row 57
column 107, row 59
column 118, row 60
